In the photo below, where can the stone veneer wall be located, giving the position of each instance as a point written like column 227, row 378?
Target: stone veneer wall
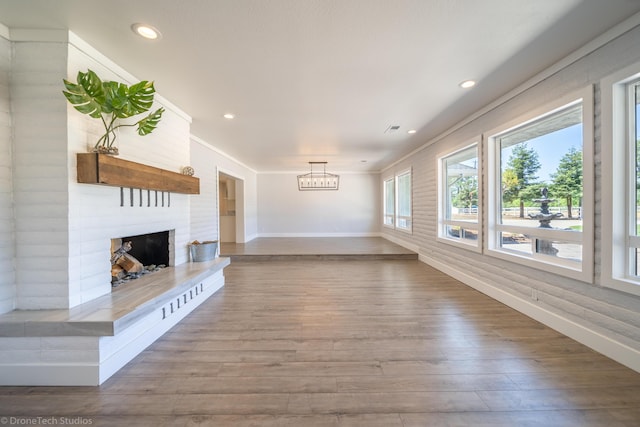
column 607, row 314
column 7, row 238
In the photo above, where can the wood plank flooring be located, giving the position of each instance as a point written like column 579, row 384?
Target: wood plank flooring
column 316, row 248
column 350, row 343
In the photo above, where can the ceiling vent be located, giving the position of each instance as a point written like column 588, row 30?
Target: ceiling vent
column 392, row 129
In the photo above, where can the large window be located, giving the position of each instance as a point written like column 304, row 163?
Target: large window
column 621, row 180
column 403, row 202
column 460, row 197
column 397, row 202
column 541, row 186
column 389, row 202
column 633, row 94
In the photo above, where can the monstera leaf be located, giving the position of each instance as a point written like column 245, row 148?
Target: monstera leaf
column 149, row 123
column 110, row 101
column 87, row 96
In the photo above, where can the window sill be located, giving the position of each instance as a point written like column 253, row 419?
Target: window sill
column 623, row 285
column 461, row 244
column 539, row 263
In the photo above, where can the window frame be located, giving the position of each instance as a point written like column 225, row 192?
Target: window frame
column 583, row 270
column 443, row 221
column 398, row 217
column 386, row 214
column 618, row 172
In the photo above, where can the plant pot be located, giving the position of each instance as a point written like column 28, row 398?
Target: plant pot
column 112, row 151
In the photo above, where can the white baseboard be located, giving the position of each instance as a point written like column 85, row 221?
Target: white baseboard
column 613, row 349
column 401, row 242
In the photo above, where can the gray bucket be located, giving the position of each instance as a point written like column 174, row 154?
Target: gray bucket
column 205, row 251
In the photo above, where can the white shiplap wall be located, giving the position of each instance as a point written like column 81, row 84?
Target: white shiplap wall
column 40, row 174
column 208, row 162
column 204, row 208
column 95, row 213
column 7, row 242
column 603, row 312
column 62, row 228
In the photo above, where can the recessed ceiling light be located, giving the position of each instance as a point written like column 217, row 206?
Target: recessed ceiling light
column 146, row 31
column 412, row 131
column 467, row 84
column 229, row 116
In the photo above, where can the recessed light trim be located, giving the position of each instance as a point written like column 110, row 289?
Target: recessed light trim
column 467, row 84
column 147, row 31
column 411, row 131
column 229, row 116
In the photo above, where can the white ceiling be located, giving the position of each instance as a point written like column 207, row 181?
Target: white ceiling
column 321, row 80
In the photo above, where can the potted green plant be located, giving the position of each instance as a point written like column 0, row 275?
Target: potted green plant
column 111, row 101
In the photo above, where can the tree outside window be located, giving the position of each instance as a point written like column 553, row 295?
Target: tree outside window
column 539, row 191
column 519, row 178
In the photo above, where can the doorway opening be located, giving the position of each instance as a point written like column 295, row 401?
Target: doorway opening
column 231, row 208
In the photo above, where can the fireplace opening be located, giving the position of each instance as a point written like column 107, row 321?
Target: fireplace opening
column 134, row 256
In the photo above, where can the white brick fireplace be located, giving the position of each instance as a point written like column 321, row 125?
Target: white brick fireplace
column 63, row 229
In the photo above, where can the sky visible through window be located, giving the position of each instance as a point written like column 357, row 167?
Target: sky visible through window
column 550, row 148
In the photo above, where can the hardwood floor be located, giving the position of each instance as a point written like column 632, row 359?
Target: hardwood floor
column 315, row 248
column 350, row 343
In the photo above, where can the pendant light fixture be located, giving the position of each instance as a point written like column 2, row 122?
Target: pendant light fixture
column 318, row 180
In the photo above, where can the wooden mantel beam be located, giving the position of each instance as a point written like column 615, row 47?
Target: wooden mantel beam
column 95, row 168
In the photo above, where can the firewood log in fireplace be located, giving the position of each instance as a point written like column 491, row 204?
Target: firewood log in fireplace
column 126, row 247
column 117, row 273
column 130, row 264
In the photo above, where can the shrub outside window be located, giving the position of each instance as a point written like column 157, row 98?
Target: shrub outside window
column 541, row 190
column 460, row 198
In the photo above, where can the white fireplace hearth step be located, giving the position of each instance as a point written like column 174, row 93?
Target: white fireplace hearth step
column 87, row 344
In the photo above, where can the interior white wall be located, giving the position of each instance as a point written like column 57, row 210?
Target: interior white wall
column 353, row 210
column 7, row 239
column 207, row 161
column 603, row 318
